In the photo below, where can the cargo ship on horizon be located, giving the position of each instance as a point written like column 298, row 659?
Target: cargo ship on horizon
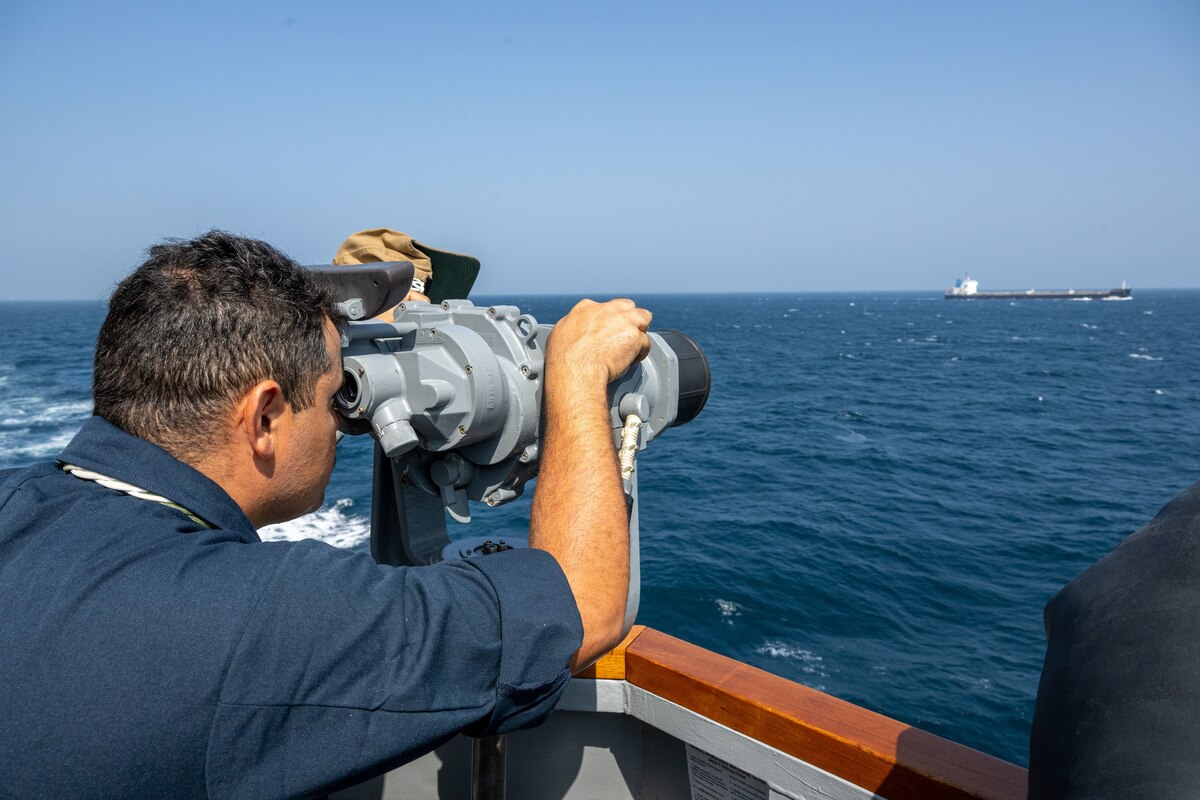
column 967, row 288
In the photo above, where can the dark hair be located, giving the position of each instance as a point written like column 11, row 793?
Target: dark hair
column 193, row 328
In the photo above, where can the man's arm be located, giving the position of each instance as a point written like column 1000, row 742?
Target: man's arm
column 579, row 514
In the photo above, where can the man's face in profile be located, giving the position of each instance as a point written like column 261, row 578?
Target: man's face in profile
column 307, row 445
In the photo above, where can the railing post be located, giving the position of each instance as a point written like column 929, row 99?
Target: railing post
column 488, row 779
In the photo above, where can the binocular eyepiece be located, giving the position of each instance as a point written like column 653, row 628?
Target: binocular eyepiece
column 347, row 396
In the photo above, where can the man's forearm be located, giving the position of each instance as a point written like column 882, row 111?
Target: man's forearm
column 579, row 513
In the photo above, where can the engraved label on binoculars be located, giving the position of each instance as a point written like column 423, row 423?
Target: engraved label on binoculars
column 430, row 336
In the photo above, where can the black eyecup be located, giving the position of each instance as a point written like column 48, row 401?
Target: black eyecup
column 379, row 285
column 695, row 379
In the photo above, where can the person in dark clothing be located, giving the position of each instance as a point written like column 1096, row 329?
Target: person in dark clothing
column 1118, row 706
column 153, row 645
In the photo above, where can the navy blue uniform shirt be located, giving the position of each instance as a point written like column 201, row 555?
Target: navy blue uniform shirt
column 144, row 655
column 1118, row 705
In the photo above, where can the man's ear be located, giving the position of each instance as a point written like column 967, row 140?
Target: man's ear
column 259, row 415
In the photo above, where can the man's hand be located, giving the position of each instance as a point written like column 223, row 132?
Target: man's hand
column 607, row 337
column 579, row 513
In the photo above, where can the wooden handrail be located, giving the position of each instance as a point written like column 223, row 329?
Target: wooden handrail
column 867, row 749
column 611, row 665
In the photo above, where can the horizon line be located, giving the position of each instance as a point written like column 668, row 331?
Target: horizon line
column 742, row 293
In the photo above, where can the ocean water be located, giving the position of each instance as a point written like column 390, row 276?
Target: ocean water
column 880, row 496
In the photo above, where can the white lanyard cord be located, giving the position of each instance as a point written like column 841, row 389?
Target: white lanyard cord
column 129, row 489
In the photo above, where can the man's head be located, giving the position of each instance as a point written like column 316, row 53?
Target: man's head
column 224, row 352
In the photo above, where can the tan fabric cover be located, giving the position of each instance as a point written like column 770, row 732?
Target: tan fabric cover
column 384, row 244
column 445, row 275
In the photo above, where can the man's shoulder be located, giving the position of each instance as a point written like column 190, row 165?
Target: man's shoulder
column 31, row 481
column 1117, row 695
column 1178, row 518
column 13, row 476
column 61, row 530
column 1168, row 544
column 43, row 495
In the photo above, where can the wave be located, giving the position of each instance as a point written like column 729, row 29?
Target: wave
column 21, row 453
column 331, row 524
column 728, row 609
column 1144, row 357
column 810, row 663
column 32, row 412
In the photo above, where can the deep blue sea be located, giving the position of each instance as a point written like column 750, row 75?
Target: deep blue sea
column 880, row 496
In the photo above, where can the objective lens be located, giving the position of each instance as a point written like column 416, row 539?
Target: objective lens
column 695, row 379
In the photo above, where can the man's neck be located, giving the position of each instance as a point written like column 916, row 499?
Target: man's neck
column 244, row 485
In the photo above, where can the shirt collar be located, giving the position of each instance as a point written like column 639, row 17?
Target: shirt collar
column 105, row 448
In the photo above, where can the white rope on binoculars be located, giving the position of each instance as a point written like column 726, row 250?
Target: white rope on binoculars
column 129, row 489
column 629, row 441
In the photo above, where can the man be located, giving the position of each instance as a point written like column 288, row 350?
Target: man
column 152, row 645
column 1118, row 706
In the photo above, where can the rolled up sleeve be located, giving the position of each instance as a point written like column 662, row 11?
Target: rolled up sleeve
column 347, row 668
column 533, row 670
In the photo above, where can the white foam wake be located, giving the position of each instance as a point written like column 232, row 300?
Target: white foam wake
column 18, row 451
column 728, row 609
column 810, row 663
column 30, row 411
column 330, row 524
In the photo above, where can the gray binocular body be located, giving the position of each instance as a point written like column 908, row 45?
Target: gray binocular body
column 455, row 391
column 452, row 394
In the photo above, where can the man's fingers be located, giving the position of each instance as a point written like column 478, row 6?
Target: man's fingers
column 640, row 316
column 645, row 348
column 611, row 334
column 642, row 319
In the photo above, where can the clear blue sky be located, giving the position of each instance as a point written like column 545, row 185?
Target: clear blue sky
column 613, row 147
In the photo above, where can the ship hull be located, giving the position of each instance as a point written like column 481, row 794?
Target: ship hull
column 1110, row 294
